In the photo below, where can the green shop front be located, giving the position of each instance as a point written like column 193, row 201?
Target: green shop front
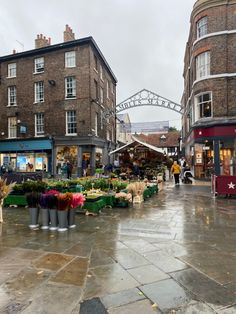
column 26, row 155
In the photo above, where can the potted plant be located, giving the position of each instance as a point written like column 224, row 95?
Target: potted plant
column 64, row 201
column 77, row 200
column 32, row 199
column 48, row 202
column 52, row 207
column 123, row 199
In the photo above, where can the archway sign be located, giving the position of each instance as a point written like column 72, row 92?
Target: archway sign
column 144, row 98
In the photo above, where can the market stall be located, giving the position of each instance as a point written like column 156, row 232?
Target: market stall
column 139, row 159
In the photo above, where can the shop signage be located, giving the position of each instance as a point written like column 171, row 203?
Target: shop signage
column 226, row 184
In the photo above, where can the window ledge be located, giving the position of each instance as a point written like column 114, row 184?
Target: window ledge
column 70, row 67
column 39, row 135
column 70, row 98
column 38, row 72
column 9, row 77
column 38, row 102
column 9, row 106
column 72, row 134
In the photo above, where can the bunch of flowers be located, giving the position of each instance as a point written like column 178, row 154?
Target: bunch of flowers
column 136, row 188
column 48, row 199
column 78, row 199
column 122, row 196
column 32, row 199
column 64, row 200
column 5, row 188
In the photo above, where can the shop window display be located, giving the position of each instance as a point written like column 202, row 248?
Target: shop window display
column 64, row 154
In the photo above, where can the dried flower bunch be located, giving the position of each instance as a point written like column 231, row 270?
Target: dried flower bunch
column 5, row 188
column 64, row 201
column 136, row 188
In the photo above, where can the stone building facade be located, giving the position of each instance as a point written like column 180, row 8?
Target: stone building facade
column 52, row 102
column 209, row 98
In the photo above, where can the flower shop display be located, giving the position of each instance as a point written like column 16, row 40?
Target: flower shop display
column 137, row 189
column 64, row 201
column 32, row 199
column 48, row 204
column 5, row 189
column 123, row 199
column 78, row 200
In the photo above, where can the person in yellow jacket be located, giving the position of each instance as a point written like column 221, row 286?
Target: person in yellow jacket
column 176, row 170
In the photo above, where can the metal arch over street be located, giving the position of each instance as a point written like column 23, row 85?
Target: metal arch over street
column 144, row 98
column 148, row 98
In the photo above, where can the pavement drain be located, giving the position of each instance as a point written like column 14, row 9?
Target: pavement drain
column 14, row 308
column 92, row 306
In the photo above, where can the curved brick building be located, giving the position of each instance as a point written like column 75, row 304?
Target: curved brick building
column 209, row 98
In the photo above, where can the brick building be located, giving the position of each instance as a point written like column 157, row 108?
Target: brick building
column 52, row 100
column 209, row 98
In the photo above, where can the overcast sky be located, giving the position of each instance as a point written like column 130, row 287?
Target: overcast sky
column 142, row 40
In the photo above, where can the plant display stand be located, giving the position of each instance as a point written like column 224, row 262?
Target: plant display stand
column 34, row 217
column 19, row 200
column 94, row 207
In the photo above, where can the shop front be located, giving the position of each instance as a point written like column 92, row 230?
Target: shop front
column 26, row 155
column 212, row 151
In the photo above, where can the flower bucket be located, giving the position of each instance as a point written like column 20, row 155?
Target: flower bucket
column 45, row 218
column 71, row 218
column 53, row 219
column 62, row 220
column 34, row 217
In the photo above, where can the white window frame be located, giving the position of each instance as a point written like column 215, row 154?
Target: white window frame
column 71, row 122
column 12, row 96
column 108, row 90
column 203, row 61
column 101, row 95
column 39, row 65
column 11, row 70
column 12, row 127
column 39, row 92
column 101, row 72
column 39, row 124
column 70, row 59
column 96, row 124
column 199, row 109
column 202, row 27
column 70, row 87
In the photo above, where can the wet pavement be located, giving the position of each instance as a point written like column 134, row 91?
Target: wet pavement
column 174, row 253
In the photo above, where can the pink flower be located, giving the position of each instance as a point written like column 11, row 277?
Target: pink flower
column 77, row 200
column 52, row 192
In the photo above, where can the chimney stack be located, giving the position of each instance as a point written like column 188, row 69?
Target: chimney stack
column 42, row 41
column 68, row 34
column 14, row 51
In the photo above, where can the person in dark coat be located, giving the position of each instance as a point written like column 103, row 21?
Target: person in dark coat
column 69, row 168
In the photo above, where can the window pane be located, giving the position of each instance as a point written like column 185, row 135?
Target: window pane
column 12, row 96
column 12, row 70
column 203, row 65
column 39, row 65
column 202, row 27
column 70, row 87
column 39, row 92
column 71, row 122
column 12, row 127
column 39, row 123
column 70, row 59
column 204, row 104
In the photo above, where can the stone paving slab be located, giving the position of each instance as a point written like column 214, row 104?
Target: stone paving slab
column 139, row 307
column 164, row 261
column 140, row 246
column 122, row 298
column 167, row 294
column 47, row 300
column 53, row 261
column 129, row 258
column 206, row 289
column 220, row 267
column 73, row 273
column 147, row 274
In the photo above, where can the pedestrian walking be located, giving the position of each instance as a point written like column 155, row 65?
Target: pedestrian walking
column 176, row 170
column 69, row 168
column 182, row 165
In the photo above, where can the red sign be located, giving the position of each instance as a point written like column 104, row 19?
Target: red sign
column 226, row 184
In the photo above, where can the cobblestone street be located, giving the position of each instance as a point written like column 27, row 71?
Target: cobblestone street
column 174, row 253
